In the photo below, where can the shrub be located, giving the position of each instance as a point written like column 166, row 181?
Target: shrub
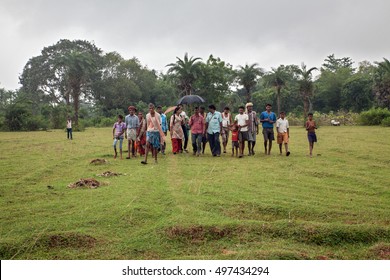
column 386, row 122
column 374, row 116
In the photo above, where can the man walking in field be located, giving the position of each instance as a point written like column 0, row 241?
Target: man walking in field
column 253, row 128
column 268, row 118
column 283, row 130
column 214, row 128
column 132, row 125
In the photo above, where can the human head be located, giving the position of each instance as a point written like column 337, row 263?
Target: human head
column 201, row 110
column 177, row 110
column 241, row 110
column 140, row 115
column 282, row 115
column 226, row 109
column 131, row 110
column 120, row 118
column 212, row 108
column 196, row 110
column 159, row 109
column 235, row 127
column 151, row 108
column 249, row 106
column 310, row 115
column 268, row 107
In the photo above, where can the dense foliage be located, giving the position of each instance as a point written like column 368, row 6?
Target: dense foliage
column 79, row 80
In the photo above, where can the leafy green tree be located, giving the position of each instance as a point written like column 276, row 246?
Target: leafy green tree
column 186, row 71
column 122, row 83
column 247, row 76
column 357, row 93
column 215, row 81
column 382, row 83
column 64, row 71
column 305, row 86
column 334, row 73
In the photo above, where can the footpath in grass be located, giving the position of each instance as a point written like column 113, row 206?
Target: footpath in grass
column 333, row 206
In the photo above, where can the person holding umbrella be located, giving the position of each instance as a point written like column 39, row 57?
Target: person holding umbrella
column 214, row 128
column 184, row 117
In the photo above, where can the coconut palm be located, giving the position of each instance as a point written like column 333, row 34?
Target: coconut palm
column 382, row 83
column 277, row 78
column 305, row 86
column 248, row 76
column 186, row 71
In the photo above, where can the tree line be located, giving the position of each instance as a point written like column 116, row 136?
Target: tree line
column 78, row 79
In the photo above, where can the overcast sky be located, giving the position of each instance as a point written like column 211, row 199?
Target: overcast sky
column 269, row 33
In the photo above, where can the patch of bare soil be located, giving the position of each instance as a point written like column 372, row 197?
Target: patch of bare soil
column 89, row 183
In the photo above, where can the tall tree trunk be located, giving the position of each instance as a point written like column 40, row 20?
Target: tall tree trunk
column 76, row 90
column 305, row 105
column 248, row 96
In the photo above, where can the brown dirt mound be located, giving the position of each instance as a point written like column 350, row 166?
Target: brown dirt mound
column 109, row 174
column 381, row 251
column 68, row 240
column 197, row 233
column 89, row 183
column 98, row 161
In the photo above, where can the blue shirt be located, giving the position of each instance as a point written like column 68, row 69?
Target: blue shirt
column 164, row 125
column 214, row 121
column 270, row 116
column 132, row 121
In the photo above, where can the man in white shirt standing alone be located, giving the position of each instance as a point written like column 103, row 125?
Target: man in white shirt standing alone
column 283, row 129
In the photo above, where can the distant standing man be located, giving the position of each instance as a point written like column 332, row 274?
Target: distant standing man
column 283, row 130
column 197, row 130
column 268, row 118
column 242, row 121
column 253, row 128
column 226, row 123
column 69, row 128
column 164, row 127
column 132, row 125
column 214, row 128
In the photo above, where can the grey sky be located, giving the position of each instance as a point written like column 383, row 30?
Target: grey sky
column 269, row 33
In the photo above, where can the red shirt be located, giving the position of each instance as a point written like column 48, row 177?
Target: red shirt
column 197, row 124
column 235, row 135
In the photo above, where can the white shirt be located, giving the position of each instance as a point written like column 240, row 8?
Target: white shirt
column 282, row 125
column 183, row 115
column 225, row 120
column 241, row 120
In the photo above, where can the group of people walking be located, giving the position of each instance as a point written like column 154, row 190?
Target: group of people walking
column 149, row 133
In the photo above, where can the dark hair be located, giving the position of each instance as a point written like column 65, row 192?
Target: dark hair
column 226, row 108
column 201, row 107
column 241, row 107
column 159, row 107
column 212, row 106
column 310, row 114
column 196, row 108
column 176, row 109
column 268, row 105
column 120, row 116
column 282, row 112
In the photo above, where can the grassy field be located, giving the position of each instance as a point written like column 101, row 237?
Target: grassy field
column 332, row 206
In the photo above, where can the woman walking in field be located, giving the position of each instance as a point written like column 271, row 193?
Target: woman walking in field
column 177, row 134
column 141, row 139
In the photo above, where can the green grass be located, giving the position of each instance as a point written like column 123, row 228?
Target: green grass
column 333, row 206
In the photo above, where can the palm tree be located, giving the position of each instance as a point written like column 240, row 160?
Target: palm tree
column 305, row 86
column 277, row 78
column 247, row 77
column 186, row 71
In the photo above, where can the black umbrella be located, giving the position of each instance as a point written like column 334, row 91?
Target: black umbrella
column 189, row 99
